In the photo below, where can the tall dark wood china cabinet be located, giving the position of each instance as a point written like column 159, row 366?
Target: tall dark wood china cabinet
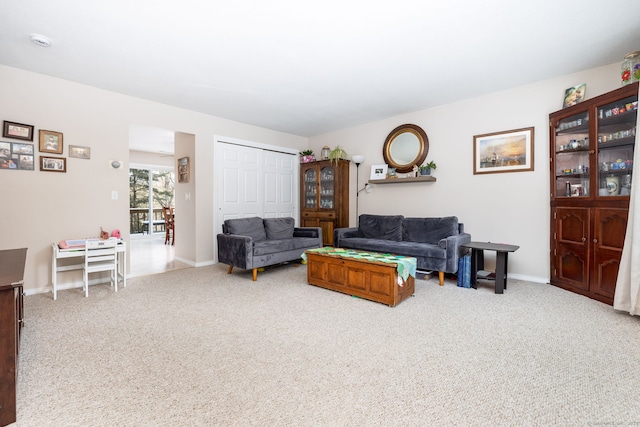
column 591, row 158
column 324, row 196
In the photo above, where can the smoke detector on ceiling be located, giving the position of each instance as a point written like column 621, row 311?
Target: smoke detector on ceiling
column 40, row 40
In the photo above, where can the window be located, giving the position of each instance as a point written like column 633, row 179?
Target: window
column 149, row 191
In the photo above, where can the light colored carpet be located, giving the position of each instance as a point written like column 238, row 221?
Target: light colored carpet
column 198, row 347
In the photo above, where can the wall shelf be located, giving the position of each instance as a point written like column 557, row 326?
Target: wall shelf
column 422, row 178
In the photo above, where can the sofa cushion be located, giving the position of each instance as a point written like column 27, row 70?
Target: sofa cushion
column 386, row 227
column 429, row 230
column 412, row 249
column 279, row 228
column 252, row 227
column 267, row 247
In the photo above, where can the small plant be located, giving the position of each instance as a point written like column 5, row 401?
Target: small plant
column 337, row 154
column 425, row 169
column 307, row 153
column 431, row 165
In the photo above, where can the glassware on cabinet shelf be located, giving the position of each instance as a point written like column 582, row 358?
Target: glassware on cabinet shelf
column 616, row 141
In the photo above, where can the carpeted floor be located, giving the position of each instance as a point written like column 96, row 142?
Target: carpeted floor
column 198, row 347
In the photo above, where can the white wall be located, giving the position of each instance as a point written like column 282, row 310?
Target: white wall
column 506, row 207
column 39, row 208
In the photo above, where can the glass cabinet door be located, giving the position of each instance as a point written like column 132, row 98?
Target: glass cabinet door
column 572, row 156
column 616, row 138
column 310, row 188
column 327, row 188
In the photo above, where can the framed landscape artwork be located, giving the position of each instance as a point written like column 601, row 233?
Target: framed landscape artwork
column 79, row 152
column 508, row 151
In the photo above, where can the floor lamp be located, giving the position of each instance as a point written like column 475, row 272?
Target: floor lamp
column 357, row 160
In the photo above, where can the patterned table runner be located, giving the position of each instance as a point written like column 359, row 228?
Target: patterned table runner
column 406, row 266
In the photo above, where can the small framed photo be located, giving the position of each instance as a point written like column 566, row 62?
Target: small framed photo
column 379, row 171
column 183, row 169
column 17, row 131
column 53, row 164
column 50, row 142
column 508, row 151
column 574, row 95
column 79, row 152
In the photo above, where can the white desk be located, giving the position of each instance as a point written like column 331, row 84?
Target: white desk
column 58, row 253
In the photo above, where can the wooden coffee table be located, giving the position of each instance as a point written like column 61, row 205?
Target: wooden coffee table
column 364, row 277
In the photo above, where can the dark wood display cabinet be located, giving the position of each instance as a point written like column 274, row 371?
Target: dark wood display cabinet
column 324, row 196
column 592, row 146
column 11, row 316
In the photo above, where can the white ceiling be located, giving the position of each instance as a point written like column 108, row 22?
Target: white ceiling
column 310, row 67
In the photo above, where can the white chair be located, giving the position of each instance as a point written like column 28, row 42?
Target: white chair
column 100, row 255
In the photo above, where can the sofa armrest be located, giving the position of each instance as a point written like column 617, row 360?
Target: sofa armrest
column 314, row 232
column 235, row 250
column 344, row 233
column 453, row 245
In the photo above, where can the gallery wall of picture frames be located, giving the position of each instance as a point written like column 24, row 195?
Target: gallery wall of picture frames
column 21, row 155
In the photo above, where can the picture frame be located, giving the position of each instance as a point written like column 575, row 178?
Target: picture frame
column 79, row 152
column 379, row 171
column 17, row 131
column 392, row 173
column 53, row 164
column 51, row 142
column 183, row 169
column 16, row 156
column 574, row 95
column 507, row 151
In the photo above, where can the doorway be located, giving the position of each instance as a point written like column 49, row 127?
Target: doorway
column 151, row 185
column 150, row 188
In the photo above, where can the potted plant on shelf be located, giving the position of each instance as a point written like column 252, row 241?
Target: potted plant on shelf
column 425, row 169
column 337, row 154
column 307, row 156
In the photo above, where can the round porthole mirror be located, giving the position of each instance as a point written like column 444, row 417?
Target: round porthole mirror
column 405, row 147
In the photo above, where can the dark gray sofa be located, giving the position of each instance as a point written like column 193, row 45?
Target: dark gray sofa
column 434, row 242
column 252, row 243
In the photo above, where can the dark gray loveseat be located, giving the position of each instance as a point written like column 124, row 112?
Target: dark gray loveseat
column 434, row 242
column 251, row 243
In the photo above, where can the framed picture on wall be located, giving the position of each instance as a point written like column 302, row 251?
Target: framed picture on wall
column 53, row 164
column 79, row 152
column 17, row 131
column 50, row 142
column 183, row 169
column 16, row 156
column 508, row 151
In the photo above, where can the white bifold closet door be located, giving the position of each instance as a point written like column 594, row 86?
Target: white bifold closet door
column 254, row 181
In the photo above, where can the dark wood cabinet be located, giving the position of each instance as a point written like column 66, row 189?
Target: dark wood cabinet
column 11, row 316
column 324, row 196
column 592, row 146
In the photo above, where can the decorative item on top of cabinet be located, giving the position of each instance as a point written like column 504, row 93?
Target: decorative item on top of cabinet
column 307, row 156
column 324, row 196
column 591, row 163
